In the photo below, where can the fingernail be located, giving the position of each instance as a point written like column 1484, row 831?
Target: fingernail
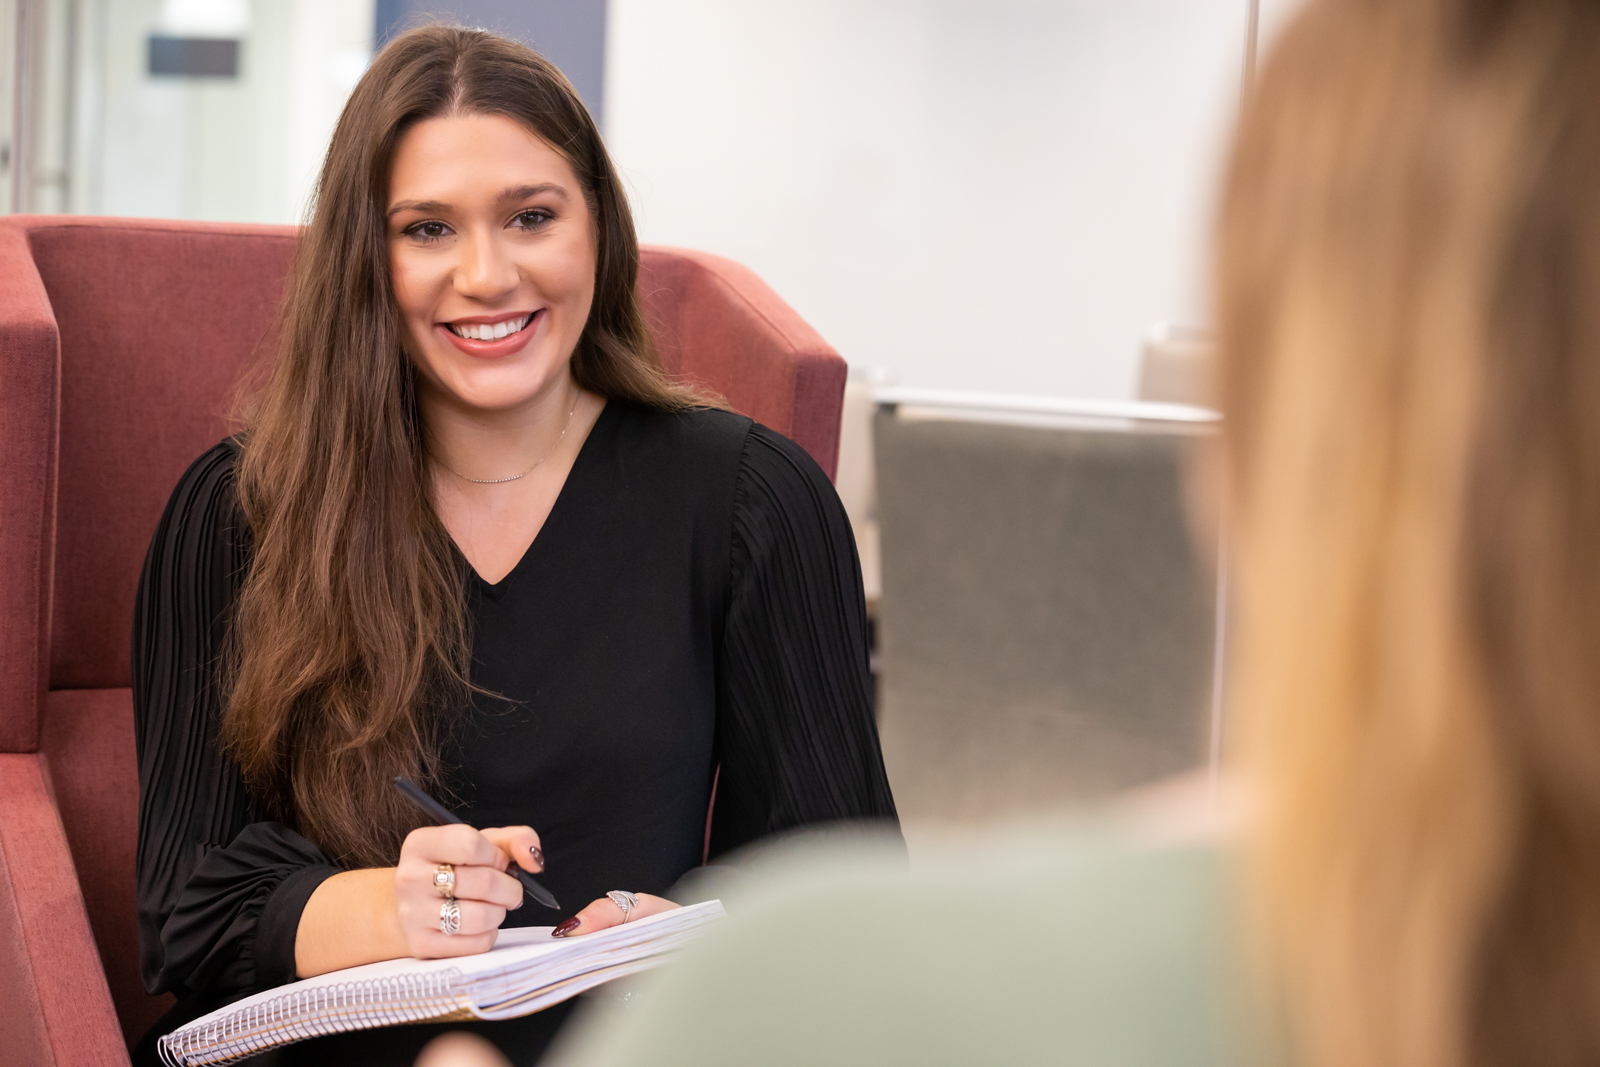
column 538, row 855
column 567, row 927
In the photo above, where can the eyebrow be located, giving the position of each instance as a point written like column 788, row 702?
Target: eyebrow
column 507, row 196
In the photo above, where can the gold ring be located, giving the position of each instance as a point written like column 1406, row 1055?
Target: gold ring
column 444, row 880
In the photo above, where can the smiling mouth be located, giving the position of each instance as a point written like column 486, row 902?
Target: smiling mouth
column 489, row 331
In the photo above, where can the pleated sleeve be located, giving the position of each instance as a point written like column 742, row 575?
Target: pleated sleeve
column 797, row 739
column 220, row 888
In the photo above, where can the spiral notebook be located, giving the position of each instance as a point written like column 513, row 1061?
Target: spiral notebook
column 527, row 970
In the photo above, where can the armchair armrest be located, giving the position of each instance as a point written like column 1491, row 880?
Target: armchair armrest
column 30, row 379
column 55, row 1007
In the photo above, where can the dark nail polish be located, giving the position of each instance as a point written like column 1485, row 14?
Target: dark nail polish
column 567, row 927
column 538, row 855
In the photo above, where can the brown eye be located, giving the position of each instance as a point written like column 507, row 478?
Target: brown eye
column 428, row 231
column 532, row 220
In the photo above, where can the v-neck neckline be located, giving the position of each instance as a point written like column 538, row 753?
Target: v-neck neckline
column 494, row 590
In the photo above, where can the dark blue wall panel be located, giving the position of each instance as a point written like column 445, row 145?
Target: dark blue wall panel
column 569, row 33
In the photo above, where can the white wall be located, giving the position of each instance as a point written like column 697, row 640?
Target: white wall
column 978, row 194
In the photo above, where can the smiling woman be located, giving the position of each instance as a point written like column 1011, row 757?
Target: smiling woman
column 492, row 254
column 474, row 535
column 493, row 278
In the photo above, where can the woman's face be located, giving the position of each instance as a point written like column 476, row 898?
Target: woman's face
column 492, row 255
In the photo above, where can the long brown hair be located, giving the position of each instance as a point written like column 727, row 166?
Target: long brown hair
column 1409, row 323
column 349, row 639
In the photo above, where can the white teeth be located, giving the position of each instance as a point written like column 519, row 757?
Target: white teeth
column 485, row 332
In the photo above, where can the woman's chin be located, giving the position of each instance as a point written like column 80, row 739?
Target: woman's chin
column 494, row 387
column 506, row 393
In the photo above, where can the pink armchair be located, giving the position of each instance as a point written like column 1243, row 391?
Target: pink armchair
column 120, row 342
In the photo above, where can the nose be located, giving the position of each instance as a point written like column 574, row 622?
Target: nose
column 485, row 271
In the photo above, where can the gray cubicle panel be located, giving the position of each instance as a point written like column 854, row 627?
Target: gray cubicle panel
column 1047, row 621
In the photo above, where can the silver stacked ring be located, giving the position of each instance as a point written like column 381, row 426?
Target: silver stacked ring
column 624, row 900
column 450, row 918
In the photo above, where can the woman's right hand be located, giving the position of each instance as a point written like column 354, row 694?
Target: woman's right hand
column 483, row 891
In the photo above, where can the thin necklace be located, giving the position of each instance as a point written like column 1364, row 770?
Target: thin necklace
column 524, row 474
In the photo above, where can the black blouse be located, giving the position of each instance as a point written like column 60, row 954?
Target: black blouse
column 692, row 602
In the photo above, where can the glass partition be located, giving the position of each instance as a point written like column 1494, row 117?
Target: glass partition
column 197, row 109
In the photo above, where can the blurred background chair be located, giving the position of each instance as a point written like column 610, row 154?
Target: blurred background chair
column 857, row 483
column 1047, row 623
column 120, row 343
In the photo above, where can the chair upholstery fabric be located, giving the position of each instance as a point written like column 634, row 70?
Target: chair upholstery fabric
column 711, row 315
column 29, row 391
column 120, row 345
column 54, row 1008
column 86, row 747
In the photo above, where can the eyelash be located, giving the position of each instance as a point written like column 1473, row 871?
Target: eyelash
column 414, row 231
column 537, row 213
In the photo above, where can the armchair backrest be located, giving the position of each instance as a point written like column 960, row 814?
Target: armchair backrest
column 120, row 345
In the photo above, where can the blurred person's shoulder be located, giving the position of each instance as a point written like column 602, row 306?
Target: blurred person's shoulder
column 1081, row 941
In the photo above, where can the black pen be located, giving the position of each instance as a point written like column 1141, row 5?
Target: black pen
column 441, row 814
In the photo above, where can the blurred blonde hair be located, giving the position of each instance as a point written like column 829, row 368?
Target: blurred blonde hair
column 1408, row 305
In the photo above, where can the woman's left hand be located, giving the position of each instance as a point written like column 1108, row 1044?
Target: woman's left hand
column 604, row 914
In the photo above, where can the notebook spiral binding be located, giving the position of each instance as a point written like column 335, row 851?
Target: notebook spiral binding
column 314, row 1012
